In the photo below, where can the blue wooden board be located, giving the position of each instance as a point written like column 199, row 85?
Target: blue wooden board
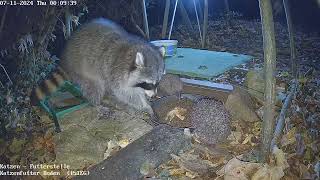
column 202, row 63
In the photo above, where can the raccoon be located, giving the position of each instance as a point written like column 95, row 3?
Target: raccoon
column 170, row 85
column 105, row 60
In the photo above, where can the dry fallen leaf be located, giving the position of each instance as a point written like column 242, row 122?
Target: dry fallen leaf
column 235, row 137
column 176, row 112
column 273, row 172
column 237, row 169
column 281, row 160
column 177, row 172
column 113, row 147
column 248, row 140
column 147, row 169
column 45, row 142
column 268, row 173
column 124, row 142
column 289, row 137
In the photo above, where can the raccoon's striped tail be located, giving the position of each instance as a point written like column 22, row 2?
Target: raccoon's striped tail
column 48, row 86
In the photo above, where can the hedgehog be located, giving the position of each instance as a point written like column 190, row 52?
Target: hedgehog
column 211, row 121
column 170, row 85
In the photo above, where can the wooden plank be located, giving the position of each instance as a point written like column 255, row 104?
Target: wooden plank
column 206, row 88
column 208, row 84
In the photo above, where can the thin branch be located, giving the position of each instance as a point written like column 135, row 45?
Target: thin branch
column 138, row 27
column 5, row 71
column 3, row 19
column 291, row 37
column 1, row 84
column 281, row 118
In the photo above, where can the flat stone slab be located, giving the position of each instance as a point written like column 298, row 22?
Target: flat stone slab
column 84, row 137
column 153, row 149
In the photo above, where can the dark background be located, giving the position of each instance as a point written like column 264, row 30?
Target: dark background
column 305, row 13
column 41, row 21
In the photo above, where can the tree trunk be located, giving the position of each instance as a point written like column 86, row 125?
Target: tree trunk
column 269, row 48
column 184, row 15
column 205, row 23
column 291, row 37
column 165, row 19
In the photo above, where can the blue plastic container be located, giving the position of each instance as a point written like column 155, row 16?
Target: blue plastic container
column 170, row 46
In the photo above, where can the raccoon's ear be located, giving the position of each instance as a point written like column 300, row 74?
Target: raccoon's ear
column 139, row 59
column 162, row 51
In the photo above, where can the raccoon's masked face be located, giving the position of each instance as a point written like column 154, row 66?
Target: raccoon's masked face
column 149, row 68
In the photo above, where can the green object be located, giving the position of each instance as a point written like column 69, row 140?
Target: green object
column 202, row 63
column 58, row 112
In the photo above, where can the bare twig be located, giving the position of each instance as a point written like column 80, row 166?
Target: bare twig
column 291, row 37
column 4, row 69
column 281, row 118
column 1, row 84
column 3, row 19
column 138, row 27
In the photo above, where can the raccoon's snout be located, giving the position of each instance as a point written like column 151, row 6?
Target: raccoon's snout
column 147, row 86
column 150, row 93
column 150, row 89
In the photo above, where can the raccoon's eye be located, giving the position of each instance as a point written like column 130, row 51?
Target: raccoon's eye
column 147, row 86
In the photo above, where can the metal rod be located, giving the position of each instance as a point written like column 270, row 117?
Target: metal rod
column 205, row 23
column 174, row 14
column 195, row 9
column 145, row 18
column 165, row 19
